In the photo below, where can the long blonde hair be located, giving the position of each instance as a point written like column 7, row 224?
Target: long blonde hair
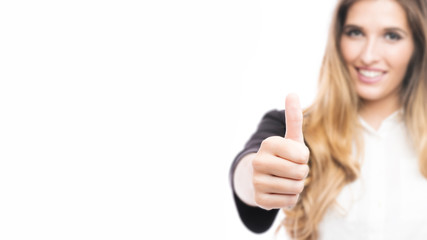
column 331, row 126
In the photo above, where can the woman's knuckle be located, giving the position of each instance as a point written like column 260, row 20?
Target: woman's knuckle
column 256, row 181
column 306, row 154
column 297, row 187
column 260, row 199
column 269, row 143
column 302, row 171
column 292, row 200
column 256, row 163
column 306, row 170
column 300, row 186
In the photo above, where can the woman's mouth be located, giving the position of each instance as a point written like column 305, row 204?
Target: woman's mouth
column 370, row 76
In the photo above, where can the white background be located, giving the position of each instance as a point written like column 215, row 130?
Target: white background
column 120, row 119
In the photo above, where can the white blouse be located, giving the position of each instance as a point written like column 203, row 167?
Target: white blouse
column 389, row 199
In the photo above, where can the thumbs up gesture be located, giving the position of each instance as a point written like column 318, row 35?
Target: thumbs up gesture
column 280, row 165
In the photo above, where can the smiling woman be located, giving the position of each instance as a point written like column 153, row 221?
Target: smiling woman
column 348, row 163
column 377, row 46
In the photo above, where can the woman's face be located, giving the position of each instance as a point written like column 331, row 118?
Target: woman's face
column 377, row 46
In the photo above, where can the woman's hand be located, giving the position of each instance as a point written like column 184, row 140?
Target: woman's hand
column 280, row 165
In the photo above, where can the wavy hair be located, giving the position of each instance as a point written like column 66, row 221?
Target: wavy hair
column 331, row 128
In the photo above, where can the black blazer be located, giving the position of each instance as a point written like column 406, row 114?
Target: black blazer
column 257, row 219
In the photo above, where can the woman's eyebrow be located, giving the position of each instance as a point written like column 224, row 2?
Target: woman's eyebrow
column 387, row 29
column 396, row 29
column 351, row 26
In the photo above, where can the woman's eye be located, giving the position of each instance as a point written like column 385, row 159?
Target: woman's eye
column 354, row 33
column 392, row 36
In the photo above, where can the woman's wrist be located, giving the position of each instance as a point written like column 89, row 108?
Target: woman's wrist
column 242, row 180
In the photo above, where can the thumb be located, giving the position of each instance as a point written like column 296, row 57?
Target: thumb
column 294, row 117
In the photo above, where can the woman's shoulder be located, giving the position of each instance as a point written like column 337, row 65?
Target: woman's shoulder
column 273, row 122
column 274, row 114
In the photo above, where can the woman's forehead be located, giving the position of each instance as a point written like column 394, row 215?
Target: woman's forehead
column 377, row 13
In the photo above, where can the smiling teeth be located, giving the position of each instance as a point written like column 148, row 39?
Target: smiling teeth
column 370, row 74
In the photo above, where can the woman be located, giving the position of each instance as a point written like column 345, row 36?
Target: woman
column 360, row 169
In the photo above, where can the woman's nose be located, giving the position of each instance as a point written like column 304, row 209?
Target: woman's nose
column 370, row 53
